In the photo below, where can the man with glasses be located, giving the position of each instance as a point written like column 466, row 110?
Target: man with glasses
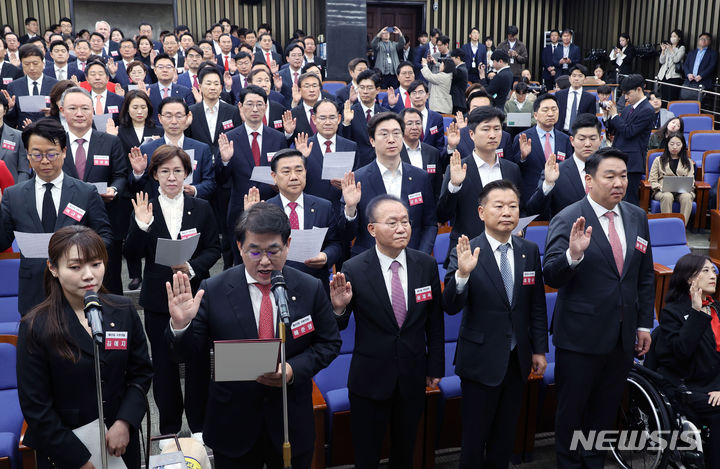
column 414, row 152
column 243, row 63
column 291, row 74
column 34, row 206
column 432, row 130
column 310, row 86
column 164, row 88
column 190, row 79
column 389, row 175
column 405, row 75
column 33, row 83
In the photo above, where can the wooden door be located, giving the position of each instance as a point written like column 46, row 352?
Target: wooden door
column 405, row 17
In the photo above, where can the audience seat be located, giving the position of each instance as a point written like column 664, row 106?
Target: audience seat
column 381, row 96
column 669, row 243
column 701, row 141
column 684, row 107
column 332, row 87
column 9, row 315
column 11, row 423
column 440, row 251
column 693, row 122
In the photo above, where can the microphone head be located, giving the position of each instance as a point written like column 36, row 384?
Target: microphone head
column 277, row 279
column 92, row 301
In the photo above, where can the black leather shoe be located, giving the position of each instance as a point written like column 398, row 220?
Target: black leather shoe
column 134, row 283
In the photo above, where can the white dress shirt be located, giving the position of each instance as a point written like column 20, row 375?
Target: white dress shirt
column 415, row 155
column 308, row 112
column 61, row 73
column 139, row 131
column 30, row 82
column 179, row 143
column 494, row 245
column 74, row 143
column 571, row 95
column 488, row 173
column 391, row 179
column 385, row 263
column 425, row 115
column 250, row 137
column 55, row 192
column 365, row 109
column 323, row 146
column 300, row 209
column 211, row 116
column 546, row 187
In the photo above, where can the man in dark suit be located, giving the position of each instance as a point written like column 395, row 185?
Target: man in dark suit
column 700, row 64
column 459, row 82
column 389, row 175
column 171, row 48
column 356, row 116
column 34, row 83
column 465, row 178
column 190, row 77
column 226, row 53
column 294, row 56
column 466, row 145
column 567, row 54
column 310, row 44
column 238, row 305
column 632, row 129
column 496, row 280
column 574, row 101
column 310, row 86
column 32, row 30
column 243, row 63
column 165, row 71
column 12, row 149
column 418, row 154
column 97, row 157
column 605, row 281
column 60, row 68
column 432, row 131
column 548, row 62
column 275, row 108
column 8, row 71
column 266, row 54
column 499, row 87
column 103, row 101
column 532, row 147
column 475, row 55
column 406, row 76
column 563, row 183
column 394, row 293
column 355, row 67
column 48, row 201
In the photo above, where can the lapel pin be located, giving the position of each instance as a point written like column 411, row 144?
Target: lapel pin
column 293, row 298
column 410, row 178
column 523, row 256
column 112, row 324
column 312, row 210
column 188, row 212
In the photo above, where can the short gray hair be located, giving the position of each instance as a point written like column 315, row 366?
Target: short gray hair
column 74, row 89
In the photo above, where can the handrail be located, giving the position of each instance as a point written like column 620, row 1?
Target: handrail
column 700, row 93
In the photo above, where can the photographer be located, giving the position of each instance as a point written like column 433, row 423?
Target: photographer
column 672, row 53
column 386, row 54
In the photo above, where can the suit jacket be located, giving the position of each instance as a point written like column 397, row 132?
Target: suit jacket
column 632, row 131
column 387, row 357
column 129, row 139
column 19, row 213
column 8, row 73
column 423, row 219
column 114, row 174
column 458, row 87
column 534, row 164
column 490, row 320
column 499, row 87
column 547, row 58
column 286, row 91
column 277, row 110
column 627, row 65
column 707, row 69
column 432, row 164
column 203, row 175
column 72, row 70
column 574, row 54
column 240, row 167
column 52, row 408
column 479, row 57
column 522, row 58
column 302, row 124
column 568, row 189
column 587, row 104
column 184, row 79
column 434, row 131
column 596, row 305
column 12, row 152
column 19, row 87
column 319, row 213
column 343, row 94
column 226, row 313
column 197, row 215
column 175, row 90
column 466, row 145
column 357, row 131
column 228, row 119
column 260, row 57
column 113, row 103
column 462, row 206
column 314, row 184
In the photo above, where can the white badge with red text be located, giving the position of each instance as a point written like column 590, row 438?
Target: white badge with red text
column 47, row 100
column 560, row 156
column 270, row 156
column 188, row 233
column 194, row 164
column 423, row 294
column 228, row 124
column 431, row 168
column 101, row 160
column 302, row 326
column 500, row 152
column 74, row 212
column 529, row 278
column 112, row 110
column 641, row 244
column 114, row 53
column 116, row 340
column 7, row 80
column 8, row 145
column 433, row 130
column 278, row 124
column 415, row 198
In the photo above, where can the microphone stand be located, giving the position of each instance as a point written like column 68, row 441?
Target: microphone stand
column 287, row 451
column 97, row 340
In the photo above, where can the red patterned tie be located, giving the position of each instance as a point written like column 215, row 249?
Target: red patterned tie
column 196, row 85
column 327, row 146
column 295, row 78
column 368, row 114
column 256, row 148
column 615, row 242
column 407, row 100
column 227, row 65
column 312, row 124
column 266, row 329
column 294, row 221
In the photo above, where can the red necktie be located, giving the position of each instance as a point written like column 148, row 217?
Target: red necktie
column 312, row 124
column 407, row 100
column 294, row 221
column 327, row 146
column 369, row 115
column 256, row 148
column 195, row 82
column 227, row 66
column 265, row 324
column 80, row 159
column 615, row 242
column 264, row 120
column 422, row 135
column 267, row 58
column 547, row 149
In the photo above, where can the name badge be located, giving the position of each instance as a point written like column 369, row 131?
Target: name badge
column 529, row 278
column 431, row 168
column 47, row 100
column 641, row 244
column 188, row 233
column 228, row 124
column 116, row 340
column 74, row 212
column 500, row 152
column 277, row 124
column 560, row 156
column 101, row 160
column 114, row 53
column 270, row 156
column 423, row 294
column 7, row 80
column 113, row 109
column 8, row 145
column 433, row 130
column 415, row 198
column 302, row 326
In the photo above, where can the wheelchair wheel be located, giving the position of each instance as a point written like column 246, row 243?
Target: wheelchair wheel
column 645, row 410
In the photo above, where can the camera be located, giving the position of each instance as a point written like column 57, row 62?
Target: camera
column 390, row 29
column 605, row 104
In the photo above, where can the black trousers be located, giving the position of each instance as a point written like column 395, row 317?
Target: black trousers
column 490, row 416
column 113, row 271
column 589, row 391
column 369, row 419
column 262, row 454
column 633, row 188
column 166, row 380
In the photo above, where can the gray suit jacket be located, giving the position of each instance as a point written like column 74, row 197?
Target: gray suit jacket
column 12, row 152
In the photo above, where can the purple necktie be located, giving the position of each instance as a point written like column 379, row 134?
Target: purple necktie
column 397, row 295
column 80, row 159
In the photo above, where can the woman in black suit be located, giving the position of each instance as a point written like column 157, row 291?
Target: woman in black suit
column 55, row 365
column 688, row 344
column 622, row 57
column 172, row 215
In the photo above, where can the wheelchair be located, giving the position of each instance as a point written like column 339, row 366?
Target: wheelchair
column 657, row 411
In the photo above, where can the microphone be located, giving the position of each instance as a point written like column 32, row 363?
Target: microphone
column 279, row 289
column 93, row 313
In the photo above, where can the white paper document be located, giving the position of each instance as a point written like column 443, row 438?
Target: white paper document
column 100, row 121
column 33, row 103
column 262, row 174
column 523, row 223
column 33, row 245
column 89, row 434
column 172, row 252
column 245, row 360
column 306, row 244
column 335, row 165
column 101, row 187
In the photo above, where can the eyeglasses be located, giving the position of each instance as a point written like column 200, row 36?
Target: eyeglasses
column 367, row 87
column 85, row 109
column 164, row 67
column 383, row 135
column 254, row 105
column 51, row 156
column 393, row 224
column 418, row 93
column 331, row 118
column 178, row 173
column 171, row 117
column 257, row 254
column 310, row 86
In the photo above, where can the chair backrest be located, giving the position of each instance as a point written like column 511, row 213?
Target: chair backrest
column 9, row 309
column 440, row 249
column 332, row 87
column 335, row 375
column 450, row 348
column 667, row 238
column 711, row 167
column 347, row 336
column 446, row 122
column 9, row 269
column 701, row 141
column 692, row 122
column 381, row 96
column 651, row 155
column 8, row 376
column 537, row 233
column 452, row 326
column 550, row 299
column 684, row 107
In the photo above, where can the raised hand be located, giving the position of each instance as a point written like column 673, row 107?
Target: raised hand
column 461, row 120
column 138, row 160
column 552, row 169
column 453, row 136
column 340, row 292
column 251, row 198
column 10, row 99
column 227, row 80
column 112, row 66
column 348, row 112
column 119, row 90
column 696, row 295
column 232, row 67
column 579, row 238
column 153, row 54
column 351, row 193
column 196, row 94
column 301, row 144
column 467, row 258
column 182, row 306
column 289, row 122
column 142, row 87
column 110, row 127
column 392, row 97
column 525, row 146
column 277, row 81
column 26, row 122
column 274, row 68
column 143, row 209
column 226, row 147
column 458, row 169
column 296, row 96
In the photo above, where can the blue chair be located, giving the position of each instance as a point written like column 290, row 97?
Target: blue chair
column 332, row 382
column 11, row 422
column 9, row 315
column 701, row 141
column 440, row 251
column 381, row 97
column 693, row 122
column 667, row 238
column 549, row 376
column 452, row 328
column 684, row 107
column 332, row 87
column 446, row 122
column 537, row 233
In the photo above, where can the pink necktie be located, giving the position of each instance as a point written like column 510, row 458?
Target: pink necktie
column 615, row 242
column 166, row 92
column 295, row 77
column 266, row 330
column 195, row 82
column 294, row 221
column 312, row 124
column 548, row 149
column 80, row 159
column 397, row 295
column 98, row 105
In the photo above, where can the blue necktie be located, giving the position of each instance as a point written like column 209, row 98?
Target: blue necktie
column 573, row 110
column 505, row 270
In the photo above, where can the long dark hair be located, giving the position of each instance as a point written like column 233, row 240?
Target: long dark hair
column 56, row 93
column 125, row 120
column 684, row 160
column 53, row 328
column 686, row 268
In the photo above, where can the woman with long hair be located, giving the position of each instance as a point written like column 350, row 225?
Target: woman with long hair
column 660, row 136
column 440, row 83
column 672, row 54
column 623, row 56
column 673, row 162
column 55, row 364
